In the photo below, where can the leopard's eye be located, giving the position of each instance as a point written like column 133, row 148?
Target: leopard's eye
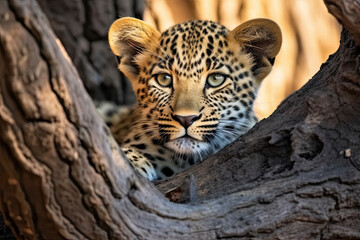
column 215, row 79
column 163, row 79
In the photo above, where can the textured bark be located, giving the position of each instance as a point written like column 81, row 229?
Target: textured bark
column 295, row 175
column 82, row 27
column 351, row 8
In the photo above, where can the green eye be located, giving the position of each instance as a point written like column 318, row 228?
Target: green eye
column 163, row 79
column 215, row 79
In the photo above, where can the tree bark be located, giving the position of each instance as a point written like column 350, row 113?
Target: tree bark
column 82, row 26
column 295, row 175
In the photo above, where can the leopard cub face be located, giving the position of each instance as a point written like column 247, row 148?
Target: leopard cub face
column 195, row 85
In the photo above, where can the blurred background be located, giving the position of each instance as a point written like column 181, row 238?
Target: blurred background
column 310, row 35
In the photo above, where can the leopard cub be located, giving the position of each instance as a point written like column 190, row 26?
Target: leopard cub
column 195, row 85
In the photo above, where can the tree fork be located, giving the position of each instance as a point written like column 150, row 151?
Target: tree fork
column 62, row 176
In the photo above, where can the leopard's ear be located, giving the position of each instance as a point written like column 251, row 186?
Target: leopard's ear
column 128, row 39
column 262, row 38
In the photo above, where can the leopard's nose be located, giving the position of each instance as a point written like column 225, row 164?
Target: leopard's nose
column 186, row 121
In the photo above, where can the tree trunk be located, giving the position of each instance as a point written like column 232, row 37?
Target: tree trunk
column 62, row 176
column 82, row 26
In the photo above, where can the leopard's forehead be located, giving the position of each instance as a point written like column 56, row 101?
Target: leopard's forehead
column 192, row 31
column 190, row 43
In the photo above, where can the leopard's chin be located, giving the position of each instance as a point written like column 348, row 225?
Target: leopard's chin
column 187, row 145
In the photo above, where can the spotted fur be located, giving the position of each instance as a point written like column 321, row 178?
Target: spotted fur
column 195, row 86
